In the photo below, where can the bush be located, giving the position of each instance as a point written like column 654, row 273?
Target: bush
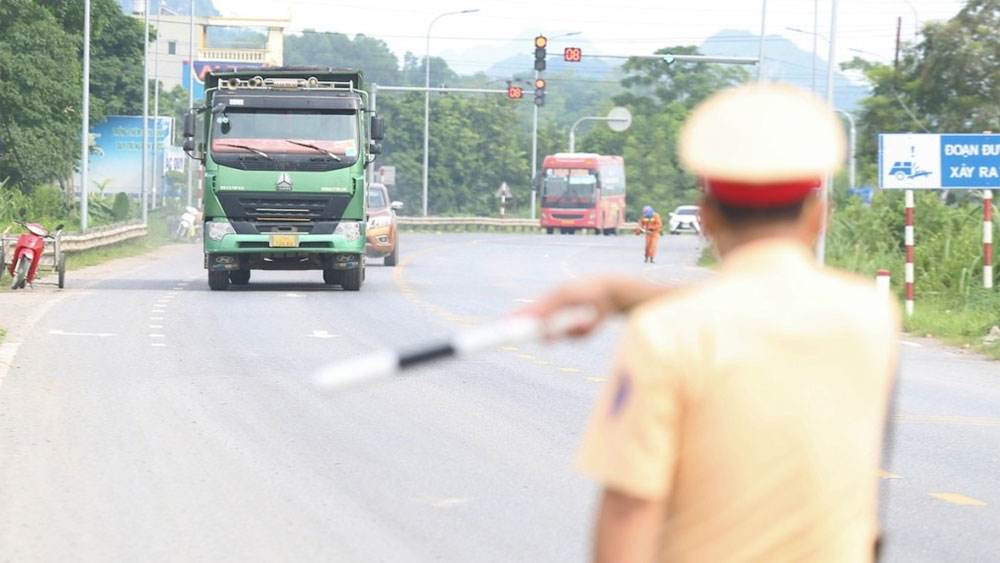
column 121, row 207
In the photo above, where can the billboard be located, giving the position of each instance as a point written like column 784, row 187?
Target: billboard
column 116, row 153
column 932, row 160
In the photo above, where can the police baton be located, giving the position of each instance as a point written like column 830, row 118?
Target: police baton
column 384, row 364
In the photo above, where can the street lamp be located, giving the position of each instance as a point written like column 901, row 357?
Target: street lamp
column 427, row 94
column 916, row 20
column 815, row 35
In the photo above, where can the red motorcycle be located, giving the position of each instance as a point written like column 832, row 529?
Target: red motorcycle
column 28, row 253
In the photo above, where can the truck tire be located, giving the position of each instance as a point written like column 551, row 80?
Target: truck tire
column 218, row 280
column 239, row 277
column 548, row 230
column 393, row 256
column 333, row 277
column 353, row 278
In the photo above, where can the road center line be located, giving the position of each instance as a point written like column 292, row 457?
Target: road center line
column 97, row 334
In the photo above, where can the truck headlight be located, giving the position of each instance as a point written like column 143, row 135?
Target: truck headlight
column 380, row 221
column 350, row 230
column 219, row 229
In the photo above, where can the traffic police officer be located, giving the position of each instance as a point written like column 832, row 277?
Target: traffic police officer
column 752, row 430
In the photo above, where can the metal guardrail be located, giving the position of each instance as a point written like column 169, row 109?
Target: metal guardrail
column 482, row 223
column 93, row 238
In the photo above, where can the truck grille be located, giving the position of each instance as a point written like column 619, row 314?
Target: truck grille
column 283, row 208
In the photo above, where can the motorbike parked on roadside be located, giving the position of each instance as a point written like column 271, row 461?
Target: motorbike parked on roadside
column 28, row 252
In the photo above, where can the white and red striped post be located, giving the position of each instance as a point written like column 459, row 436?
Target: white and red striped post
column 988, row 239
column 503, row 206
column 908, row 239
column 882, row 282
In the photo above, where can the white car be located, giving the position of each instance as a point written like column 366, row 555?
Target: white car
column 684, row 217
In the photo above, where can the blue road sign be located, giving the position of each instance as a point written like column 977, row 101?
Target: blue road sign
column 930, row 160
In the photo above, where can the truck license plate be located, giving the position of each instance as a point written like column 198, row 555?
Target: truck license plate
column 567, row 221
column 284, row 241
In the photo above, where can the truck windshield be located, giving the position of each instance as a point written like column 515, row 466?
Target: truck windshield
column 287, row 136
column 569, row 187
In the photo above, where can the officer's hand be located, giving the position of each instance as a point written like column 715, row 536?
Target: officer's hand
column 596, row 294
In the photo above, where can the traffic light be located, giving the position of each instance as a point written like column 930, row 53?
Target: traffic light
column 540, row 43
column 539, row 92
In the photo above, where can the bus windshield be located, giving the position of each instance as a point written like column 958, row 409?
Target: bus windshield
column 569, row 187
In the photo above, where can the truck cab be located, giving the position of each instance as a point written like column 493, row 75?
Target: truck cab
column 285, row 153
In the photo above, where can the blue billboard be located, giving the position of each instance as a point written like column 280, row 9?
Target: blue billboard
column 116, row 153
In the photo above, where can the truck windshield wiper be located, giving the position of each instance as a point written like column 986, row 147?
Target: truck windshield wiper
column 312, row 146
column 249, row 148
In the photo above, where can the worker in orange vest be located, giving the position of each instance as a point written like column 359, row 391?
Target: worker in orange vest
column 650, row 224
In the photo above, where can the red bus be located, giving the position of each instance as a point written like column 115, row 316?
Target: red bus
column 582, row 191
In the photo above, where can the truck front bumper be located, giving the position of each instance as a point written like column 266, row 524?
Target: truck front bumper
column 283, row 252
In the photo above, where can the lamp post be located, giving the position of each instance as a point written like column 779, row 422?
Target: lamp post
column 85, row 152
column 427, row 94
column 916, row 20
column 815, row 36
column 190, row 162
column 145, row 109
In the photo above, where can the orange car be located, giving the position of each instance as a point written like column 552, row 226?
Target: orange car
column 383, row 239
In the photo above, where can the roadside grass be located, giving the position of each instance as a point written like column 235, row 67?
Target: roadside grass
column 3, row 334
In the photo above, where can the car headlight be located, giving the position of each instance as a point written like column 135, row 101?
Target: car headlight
column 380, row 221
column 219, row 229
column 350, row 230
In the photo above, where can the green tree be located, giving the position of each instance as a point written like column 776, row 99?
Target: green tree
column 660, row 96
column 338, row 50
column 40, row 94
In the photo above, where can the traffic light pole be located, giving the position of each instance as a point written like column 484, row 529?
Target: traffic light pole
column 534, row 153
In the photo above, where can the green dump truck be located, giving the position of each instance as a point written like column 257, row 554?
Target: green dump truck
column 285, row 152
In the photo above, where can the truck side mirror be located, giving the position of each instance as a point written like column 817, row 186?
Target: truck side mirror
column 377, row 128
column 189, row 125
column 375, row 148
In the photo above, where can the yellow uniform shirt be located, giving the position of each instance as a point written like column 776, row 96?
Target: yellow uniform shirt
column 754, row 404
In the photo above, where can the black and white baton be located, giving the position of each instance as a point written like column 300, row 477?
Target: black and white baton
column 386, row 363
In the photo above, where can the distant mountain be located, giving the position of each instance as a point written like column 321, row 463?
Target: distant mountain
column 785, row 61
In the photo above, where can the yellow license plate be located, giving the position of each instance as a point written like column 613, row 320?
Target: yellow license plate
column 284, row 241
column 568, row 221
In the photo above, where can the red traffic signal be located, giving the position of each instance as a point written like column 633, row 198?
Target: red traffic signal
column 541, row 42
column 539, row 83
column 572, row 54
column 515, row 92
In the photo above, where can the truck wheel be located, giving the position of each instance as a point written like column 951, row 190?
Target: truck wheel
column 218, row 280
column 393, row 257
column 20, row 273
column 62, row 270
column 239, row 277
column 548, row 230
column 333, row 277
column 353, row 278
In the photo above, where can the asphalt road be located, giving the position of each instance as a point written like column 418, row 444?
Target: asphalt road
column 144, row 417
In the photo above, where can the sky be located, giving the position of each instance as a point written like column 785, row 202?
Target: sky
column 470, row 42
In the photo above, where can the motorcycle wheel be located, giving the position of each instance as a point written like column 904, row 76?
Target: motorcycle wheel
column 20, row 273
column 62, row 271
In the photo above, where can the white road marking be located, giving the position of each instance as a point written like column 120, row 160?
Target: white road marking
column 156, row 335
column 98, row 334
column 322, row 334
column 525, row 300
column 294, row 295
column 159, row 344
column 910, row 344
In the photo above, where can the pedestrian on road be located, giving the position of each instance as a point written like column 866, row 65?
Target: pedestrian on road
column 752, row 430
column 650, row 225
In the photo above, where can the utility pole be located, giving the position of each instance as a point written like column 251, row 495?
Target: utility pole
column 190, row 161
column 899, row 27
